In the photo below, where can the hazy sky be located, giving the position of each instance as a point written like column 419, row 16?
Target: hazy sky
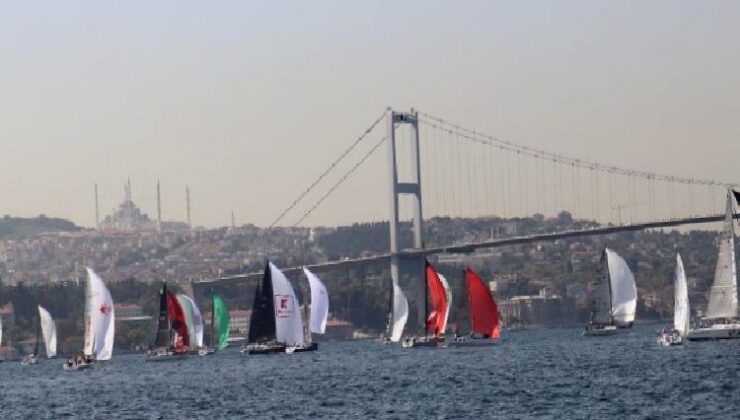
column 247, row 102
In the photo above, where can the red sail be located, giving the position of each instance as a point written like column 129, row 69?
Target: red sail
column 438, row 299
column 177, row 323
column 483, row 309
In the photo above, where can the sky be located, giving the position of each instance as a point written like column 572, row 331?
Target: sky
column 248, row 102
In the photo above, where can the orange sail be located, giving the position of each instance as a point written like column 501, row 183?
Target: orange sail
column 483, row 310
column 438, row 299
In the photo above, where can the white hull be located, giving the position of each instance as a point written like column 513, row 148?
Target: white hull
column 670, row 340
column 29, row 360
column 164, row 356
column 206, row 352
column 605, row 330
column 418, row 342
column 715, row 332
column 76, row 366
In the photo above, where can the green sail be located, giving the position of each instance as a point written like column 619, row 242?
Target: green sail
column 221, row 314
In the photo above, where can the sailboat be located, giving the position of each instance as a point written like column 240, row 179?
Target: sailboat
column 276, row 323
column 485, row 322
column 219, row 326
column 45, row 329
column 681, row 311
column 319, row 311
column 99, row 324
column 722, row 320
column 193, row 320
column 437, row 316
column 172, row 341
column 615, row 298
column 397, row 316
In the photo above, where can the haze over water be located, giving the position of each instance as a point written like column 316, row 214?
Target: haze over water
column 551, row 374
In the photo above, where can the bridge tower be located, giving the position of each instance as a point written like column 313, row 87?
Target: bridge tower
column 409, row 187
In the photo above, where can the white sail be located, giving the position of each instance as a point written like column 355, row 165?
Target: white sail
column 192, row 319
column 288, row 320
column 448, row 294
column 319, row 303
column 723, row 295
column 100, row 319
column 681, row 313
column 49, row 332
column 400, row 313
column 601, row 305
column 623, row 289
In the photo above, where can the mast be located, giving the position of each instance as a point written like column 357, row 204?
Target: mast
column 609, row 284
column 38, row 335
column 213, row 318
column 426, row 300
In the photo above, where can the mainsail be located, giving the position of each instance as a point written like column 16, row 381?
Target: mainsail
column 623, row 289
column 319, row 303
column 483, row 310
column 601, row 305
column 99, row 319
column 681, row 313
column 262, row 319
column 723, row 295
column 162, row 339
column 49, row 332
column 400, row 313
column 288, row 320
column 438, row 298
column 220, row 318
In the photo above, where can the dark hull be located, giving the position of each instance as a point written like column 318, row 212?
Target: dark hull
column 308, row 347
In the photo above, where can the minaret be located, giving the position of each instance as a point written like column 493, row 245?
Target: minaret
column 187, row 206
column 97, row 208
column 233, row 221
column 159, row 209
column 128, row 189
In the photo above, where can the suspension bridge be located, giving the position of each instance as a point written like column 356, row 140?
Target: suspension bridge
column 461, row 172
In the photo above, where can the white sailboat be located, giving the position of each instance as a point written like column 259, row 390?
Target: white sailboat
column 681, row 313
column 319, row 311
column 721, row 320
column 99, row 324
column 615, row 298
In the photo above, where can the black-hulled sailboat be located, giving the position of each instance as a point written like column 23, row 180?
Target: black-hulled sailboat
column 275, row 325
column 172, row 341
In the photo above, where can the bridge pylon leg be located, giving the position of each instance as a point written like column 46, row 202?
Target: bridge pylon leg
column 410, row 187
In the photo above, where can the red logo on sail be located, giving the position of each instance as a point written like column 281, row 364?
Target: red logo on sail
column 284, row 306
column 104, row 309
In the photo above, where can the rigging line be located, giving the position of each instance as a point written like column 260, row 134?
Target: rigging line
column 330, row 168
column 340, row 181
column 531, row 151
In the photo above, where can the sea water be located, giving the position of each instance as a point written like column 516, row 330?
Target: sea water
column 553, row 374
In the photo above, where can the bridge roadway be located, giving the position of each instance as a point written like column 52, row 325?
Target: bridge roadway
column 471, row 247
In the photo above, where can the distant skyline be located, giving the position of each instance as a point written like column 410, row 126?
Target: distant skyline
column 248, row 102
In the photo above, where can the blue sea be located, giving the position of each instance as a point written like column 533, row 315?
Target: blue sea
column 551, row 374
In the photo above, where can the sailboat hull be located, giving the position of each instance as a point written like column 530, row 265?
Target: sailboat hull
column 472, row 342
column 267, row 348
column 715, row 332
column 164, row 356
column 600, row 330
column 306, row 347
column 422, row 342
